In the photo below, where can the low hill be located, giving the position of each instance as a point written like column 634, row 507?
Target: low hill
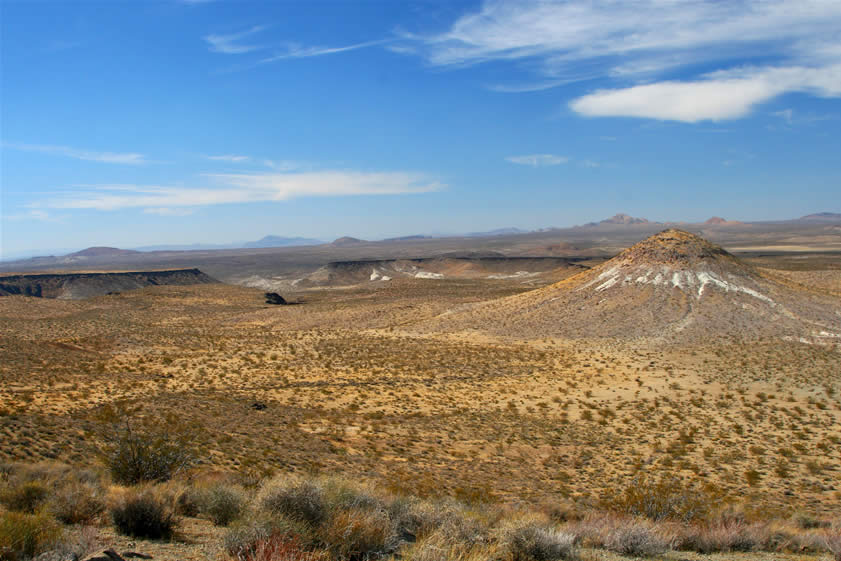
column 718, row 221
column 101, row 251
column 76, row 286
column 281, row 241
column 346, row 240
column 822, row 217
column 671, row 285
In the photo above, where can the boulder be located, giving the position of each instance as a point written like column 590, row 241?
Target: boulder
column 275, row 298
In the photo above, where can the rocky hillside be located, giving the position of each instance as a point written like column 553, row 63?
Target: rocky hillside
column 672, row 285
column 74, row 286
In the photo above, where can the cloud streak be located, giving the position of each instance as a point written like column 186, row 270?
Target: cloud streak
column 230, row 44
column 233, row 158
column 538, row 160
column 298, row 51
column 79, row 154
column 640, row 44
column 243, row 188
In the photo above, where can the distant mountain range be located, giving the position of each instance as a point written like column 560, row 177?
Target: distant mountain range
column 618, row 220
column 822, row 217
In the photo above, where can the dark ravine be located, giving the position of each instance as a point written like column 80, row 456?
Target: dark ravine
column 76, row 286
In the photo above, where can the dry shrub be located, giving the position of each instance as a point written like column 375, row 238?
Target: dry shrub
column 280, row 548
column 23, row 536
column 720, row 537
column 447, row 518
column 622, row 534
column 530, row 540
column 359, row 533
column 254, row 538
column 24, row 496
column 635, row 538
column 661, row 499
column 144, row 514
column 144, row 451
column 296, row 499
column 222, row 503
column 77, row 502
column 436, row 547
column 338, row 493
column 832, row 542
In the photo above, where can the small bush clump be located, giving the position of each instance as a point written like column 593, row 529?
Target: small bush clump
column 143, row 515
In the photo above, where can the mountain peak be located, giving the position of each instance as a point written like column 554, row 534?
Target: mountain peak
column 671, row 247
column 623, row 218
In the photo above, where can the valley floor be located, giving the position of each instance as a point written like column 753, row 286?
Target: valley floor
column 349, row 386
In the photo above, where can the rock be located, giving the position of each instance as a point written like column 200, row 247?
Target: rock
column 258, row 406
column 275, row 298
column 105, row 555
column 135, row 555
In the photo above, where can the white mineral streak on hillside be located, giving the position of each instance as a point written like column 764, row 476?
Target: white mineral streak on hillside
column 687, row 280
column 376, row 275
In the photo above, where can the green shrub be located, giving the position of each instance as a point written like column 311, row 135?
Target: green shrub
column 143, row 515
column 23, row 536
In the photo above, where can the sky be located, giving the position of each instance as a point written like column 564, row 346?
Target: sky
column 211, row 121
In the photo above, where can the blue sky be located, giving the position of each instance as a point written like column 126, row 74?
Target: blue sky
column 131, row 124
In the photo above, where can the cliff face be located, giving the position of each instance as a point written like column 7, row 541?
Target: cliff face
column 75, row 286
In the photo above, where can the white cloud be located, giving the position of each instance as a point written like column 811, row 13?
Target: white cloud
column 536, row 160
column 230, row 44
column 641, row 42
column 229, row 158
column 88, row 155
column 716, row 97
column 244, row 188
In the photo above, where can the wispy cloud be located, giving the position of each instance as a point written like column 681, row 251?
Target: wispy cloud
column 230, row 44
column 164, row 211
column 79, row 154
column 294, row 50
column 32, row 214
column 537, row 160
column 229, row 158
column 242, row 188
column 646, row 41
